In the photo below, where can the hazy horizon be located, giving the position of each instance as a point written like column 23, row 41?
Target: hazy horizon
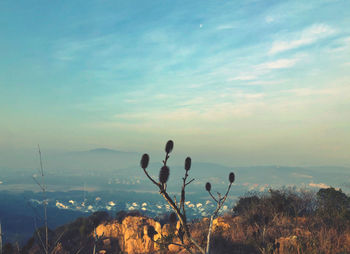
column 234, row 82
column 108, row 158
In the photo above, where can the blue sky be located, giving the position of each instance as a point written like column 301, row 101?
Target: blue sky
column 239, row 82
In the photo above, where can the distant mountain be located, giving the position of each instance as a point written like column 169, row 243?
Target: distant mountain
column 103, row 150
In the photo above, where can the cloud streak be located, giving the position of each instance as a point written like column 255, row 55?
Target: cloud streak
column 278, row 64
column 264, row 68
column 306, row 37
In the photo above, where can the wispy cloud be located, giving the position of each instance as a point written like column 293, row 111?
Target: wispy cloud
column 256, row 71
column 313, row 92
column 225, row 27
column 278, row 64
column 267, row 82
column 308, row 36
column 69, row 49
column 340, row 45
column 243, row 77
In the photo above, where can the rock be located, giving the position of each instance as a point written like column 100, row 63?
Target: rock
column 131, row 234
column 220, row 223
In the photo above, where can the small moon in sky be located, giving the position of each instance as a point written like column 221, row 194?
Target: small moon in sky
column 200, row 25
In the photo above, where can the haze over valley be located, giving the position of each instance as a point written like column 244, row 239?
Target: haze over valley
column 111, row 180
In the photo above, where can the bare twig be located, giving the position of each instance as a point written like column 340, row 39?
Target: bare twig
column 189, row 182
column 60, row 236
column 213, row 197
column 40, row 239
column 168, row 243
column 37, row 182
column 42, row 186
column 78, row 251
column 150, row 178
column 38, row 216
column 219, row 203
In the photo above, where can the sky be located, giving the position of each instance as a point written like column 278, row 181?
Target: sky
column 235, row 82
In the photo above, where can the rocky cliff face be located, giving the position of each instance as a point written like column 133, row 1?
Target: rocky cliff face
column 130, row 234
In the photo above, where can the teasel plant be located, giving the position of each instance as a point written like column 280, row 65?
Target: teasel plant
column 183, row 231
column 178, row 207
column 219, row 200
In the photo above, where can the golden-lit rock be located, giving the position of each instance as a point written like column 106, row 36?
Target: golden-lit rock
column 221, row 223
column 131, row 234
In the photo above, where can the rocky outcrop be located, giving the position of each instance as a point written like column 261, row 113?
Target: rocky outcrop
column 131, row 234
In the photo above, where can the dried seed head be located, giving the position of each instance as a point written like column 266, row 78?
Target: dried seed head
column 164, row 174
column 144, row 161
column 187, row 163
column 151, row 232
column 169, row 146
column 231, row 177
column 208, row 186
column 172, row 218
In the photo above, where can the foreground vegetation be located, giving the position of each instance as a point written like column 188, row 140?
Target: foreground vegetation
column 278, row 221
column 286, row 221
